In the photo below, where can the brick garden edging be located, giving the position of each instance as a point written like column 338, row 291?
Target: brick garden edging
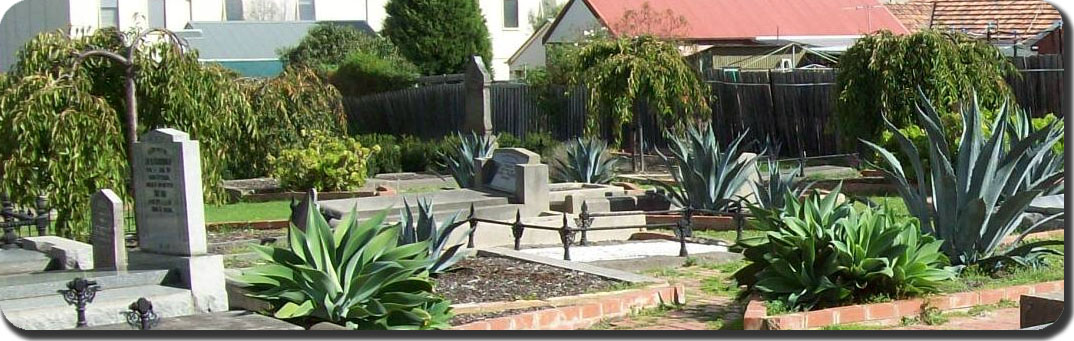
column 755, row 317
column 591, row 309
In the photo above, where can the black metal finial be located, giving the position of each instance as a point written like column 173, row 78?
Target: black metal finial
column 566, row 235
column 80, row 292
column 517, row 229
column 683, row 229
column 473, row 227
column 585, row 220
column 141, row 314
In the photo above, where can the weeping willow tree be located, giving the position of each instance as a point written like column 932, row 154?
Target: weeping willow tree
column 620, row 73
column 880, row 74
column 63, row 134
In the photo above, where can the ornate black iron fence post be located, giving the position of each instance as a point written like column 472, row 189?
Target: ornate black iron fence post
column 473, row 227
column 566, row 235
column 585, row 221
column 7, row 211
column 80, row 292
column 42, row 219
column 141, row 314
column 517, row 228
column 683, row 230
column 738, row 221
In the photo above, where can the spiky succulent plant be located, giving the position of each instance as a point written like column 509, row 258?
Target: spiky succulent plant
column 587, row 161
column 423, row 229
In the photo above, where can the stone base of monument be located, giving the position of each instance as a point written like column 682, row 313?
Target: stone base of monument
column 558, row 192
column 31, row 301
column 202, row 274
column 65, row 253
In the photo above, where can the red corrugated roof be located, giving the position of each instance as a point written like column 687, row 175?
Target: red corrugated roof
column 747, row 19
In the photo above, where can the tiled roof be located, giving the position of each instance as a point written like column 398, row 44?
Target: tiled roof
column 748, row 19
column 1024, row 18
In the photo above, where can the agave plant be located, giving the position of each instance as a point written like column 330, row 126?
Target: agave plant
column 770, row 194
column 587, row 161
column 818, row 250
column 706, row 176
column 461, row 160
column 961, row 198
column 1041, row 169
column 424, row 230
column 357, row 275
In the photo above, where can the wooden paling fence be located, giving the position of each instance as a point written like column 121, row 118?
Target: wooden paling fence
column 792, row 107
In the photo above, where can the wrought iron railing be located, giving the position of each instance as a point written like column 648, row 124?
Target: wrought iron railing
column 12, row 220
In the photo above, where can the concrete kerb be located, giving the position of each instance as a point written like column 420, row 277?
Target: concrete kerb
column 573, row 266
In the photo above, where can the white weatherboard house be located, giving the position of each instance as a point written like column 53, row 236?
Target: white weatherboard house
column 507, row 20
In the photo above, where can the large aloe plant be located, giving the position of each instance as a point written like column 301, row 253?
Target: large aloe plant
column 460, row 161
column 818, row 250
column 587, row 161
column 357, row 275
column 424, row 230
column 706, row 176
column 1040, row 170
column 770, row 194
column 961, row 198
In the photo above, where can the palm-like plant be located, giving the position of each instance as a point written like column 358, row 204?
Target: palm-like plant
column 357, row 275
column 587, row 161
column 706, row 176
column 424, row 230
column 461, row 160
column 961, row 198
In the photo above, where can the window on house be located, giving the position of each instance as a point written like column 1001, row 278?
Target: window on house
column 157, row 18
column 233, row 10
column 510, row 13
column 109, row 16
column 306, row 10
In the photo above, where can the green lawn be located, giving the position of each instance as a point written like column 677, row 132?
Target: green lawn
column 248, row 211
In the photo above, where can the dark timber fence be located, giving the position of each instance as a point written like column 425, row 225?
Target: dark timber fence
column 793, row 107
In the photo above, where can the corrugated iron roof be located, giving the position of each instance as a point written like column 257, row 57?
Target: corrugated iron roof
column 1026, row 17
column 748, row 19
column 249, row 40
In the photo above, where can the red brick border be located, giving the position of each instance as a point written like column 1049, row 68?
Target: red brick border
column 583, row 314
column 756, row 317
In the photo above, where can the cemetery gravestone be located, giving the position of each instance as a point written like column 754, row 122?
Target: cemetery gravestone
column 170, row 211
column 109, row 249
column 519, row 172
column 504, row 160
column 478, row 103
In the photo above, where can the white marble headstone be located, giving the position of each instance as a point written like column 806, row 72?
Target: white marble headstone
column 168, row 202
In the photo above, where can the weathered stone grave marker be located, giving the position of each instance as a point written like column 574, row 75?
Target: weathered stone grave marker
column 478, row 102
column 170, row 214
column 170, row 211
column 519, row 172
column 109, row 247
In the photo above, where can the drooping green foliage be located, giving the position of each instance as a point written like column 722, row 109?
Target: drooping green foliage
column 818, row 251
column 587, row 161
column 438, row 239
column 880, row 73
column 623, row 72
column 439, row 36
column 237, row 123
column 326, row 163
column 706, row 175
column 460, row 159
column 281, row 108
column 975, row 197
column 357, row 275
column 357, row 63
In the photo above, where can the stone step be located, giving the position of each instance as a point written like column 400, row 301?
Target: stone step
column 108, row 307
column 18, row 261
column 48, row 283
column 449, row 200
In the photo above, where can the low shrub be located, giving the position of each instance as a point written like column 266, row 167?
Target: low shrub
column 363, row 73
column 358, row 276
column 541, row 143
column 387, row 159
column 326, row 163
column 818, row 251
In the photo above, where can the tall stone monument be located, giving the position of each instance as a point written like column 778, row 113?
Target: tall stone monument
column 478, row 102
column 170, row 216
column 109, row 246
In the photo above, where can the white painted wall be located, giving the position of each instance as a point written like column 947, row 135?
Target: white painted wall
column 22, row 20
